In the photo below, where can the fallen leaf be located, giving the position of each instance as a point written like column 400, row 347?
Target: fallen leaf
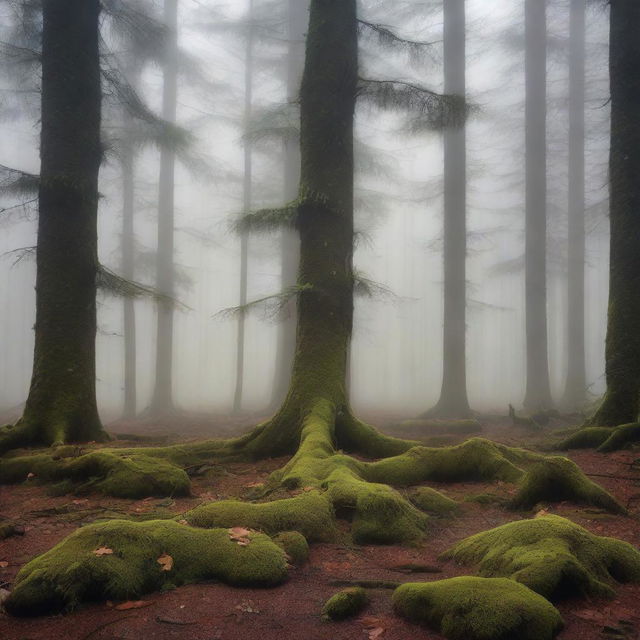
column 3, row 564
column 166, row 562
column 253, row 485
column 132, row 604
column 375, row 633
column 240, row 535
column 30, row 475
column 182, row 522
column 541, row 513
column 103, row 551
column 307, row 489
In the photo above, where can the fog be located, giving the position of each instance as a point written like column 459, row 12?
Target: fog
column 396, row 357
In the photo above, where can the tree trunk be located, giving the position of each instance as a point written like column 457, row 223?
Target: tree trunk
column 453, row 401
column 325, row 224
column 247, row 197
column 538, row 392
column 621, row 403
column 576, row 384
column 289, row 244
column 162, row 401
column 61, row 406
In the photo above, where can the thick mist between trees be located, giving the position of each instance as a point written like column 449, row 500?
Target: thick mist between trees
column 235, row 50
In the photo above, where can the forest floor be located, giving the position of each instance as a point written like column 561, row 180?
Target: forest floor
column 216, row 612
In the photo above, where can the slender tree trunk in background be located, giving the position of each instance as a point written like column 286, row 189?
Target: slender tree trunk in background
column 61, row 406
column 128, row 258
column 621, row 403
column 289, row 244
column 162, row 401
column 538, row 392
column 576, row 384
column 325, row 223
column 453, row 396
column 246, row 207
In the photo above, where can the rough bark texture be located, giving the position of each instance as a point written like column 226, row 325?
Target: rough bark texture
column 538, row 392
column 61, row 406
column 576, row 384
column 622, row 400
column 246, row 207
column 162, row 401
column 298, row 14
column 453, row 396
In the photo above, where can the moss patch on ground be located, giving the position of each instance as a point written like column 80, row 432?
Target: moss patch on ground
column 121, row 560
column 295, row 545
column 556, row 479
column 345, row 604
column 433, row 502
column 470, row 608
column 551, row 555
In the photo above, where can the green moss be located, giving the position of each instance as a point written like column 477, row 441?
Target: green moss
column 345, row 604
column 442, row 427
column 310, row 514
column 295, row 545
column 72, row 573
column 621, row 437
column 432, row 501
column 551, row 555
column 556, row 479
column 479, row 609
column 587, row 438
column 9, row 528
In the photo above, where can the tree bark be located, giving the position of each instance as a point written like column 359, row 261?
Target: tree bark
column 61, row 406
column 621, row 403
column 162, row 401
column 453, row 400
column 298, row 14
column 576, row 383
column 538, row 391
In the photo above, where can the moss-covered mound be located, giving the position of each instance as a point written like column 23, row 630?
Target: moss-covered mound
column 551, row 555
column 115, row 474
column 479, row 609
column 555, row 479
column 310, row 514
column 121, row 560
column 295, row 545
column 345, row 604
column 433, row 502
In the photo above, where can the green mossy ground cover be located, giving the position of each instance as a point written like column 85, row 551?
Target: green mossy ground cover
column 552, row 556
column 470, row 608
column 295, row 545
column 72, row 572
column 433, row 502
column 345, row 604
column 604, row 439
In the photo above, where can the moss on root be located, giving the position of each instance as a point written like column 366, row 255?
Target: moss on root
column 587, row 438
column 556, row 479
column 311, row 514
column 433, row 502
column 479, row 609
column 551, row 555
column 295, row 545
column 72, row 572
column 120, row 475
column 621, row 437
column 345, row 604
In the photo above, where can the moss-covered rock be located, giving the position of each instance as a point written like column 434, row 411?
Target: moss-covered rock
column 119, row 560
column 551, row 555
column 556, row 479
column 115, row 474
column 345, row 604
column 295, row 545
column 311, row 514
column 433, row 502
column 479, row 609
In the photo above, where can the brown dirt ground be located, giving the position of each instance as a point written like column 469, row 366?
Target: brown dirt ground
column 292, row 611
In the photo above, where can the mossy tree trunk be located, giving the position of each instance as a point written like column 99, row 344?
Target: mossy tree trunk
column 61, row 406
column 453, row 402
column 576, row 384
column 325, row 225
column 162, row 401
column 538, row 391
column 621, row 403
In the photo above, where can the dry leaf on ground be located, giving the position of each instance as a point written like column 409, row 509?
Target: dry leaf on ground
column 132, row 604
column 103, row 551
column 166, row 562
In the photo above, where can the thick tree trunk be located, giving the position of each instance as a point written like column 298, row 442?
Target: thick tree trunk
column 622, row 400
column 247, row 200
column 298, row 14
column 538, row 392
column 325, row 224
column 162, row 401
column 61, row 406
column 576, row 384
column 453, row 396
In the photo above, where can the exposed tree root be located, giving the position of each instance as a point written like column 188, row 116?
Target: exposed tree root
column 605, row 439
